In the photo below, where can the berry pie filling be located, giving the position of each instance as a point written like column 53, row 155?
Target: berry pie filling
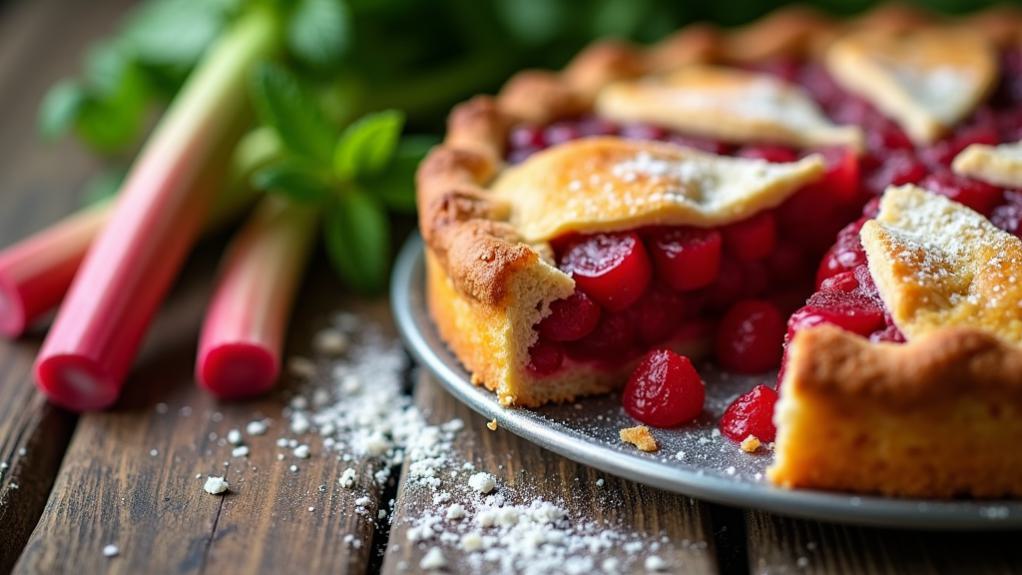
column 652, row 287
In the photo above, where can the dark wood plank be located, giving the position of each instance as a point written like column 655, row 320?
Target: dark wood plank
column 38, row 184
column 651, row 522
column 133, row 476
column 779, row 545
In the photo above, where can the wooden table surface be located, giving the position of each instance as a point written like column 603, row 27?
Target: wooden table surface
column 127, row 476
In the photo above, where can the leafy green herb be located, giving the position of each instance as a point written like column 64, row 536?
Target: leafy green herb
column 284, row 105
column 357, row 235
column 367, row 145
column 292, row 179
column 395, row 185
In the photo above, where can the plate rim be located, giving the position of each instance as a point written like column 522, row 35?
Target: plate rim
column 412, row 321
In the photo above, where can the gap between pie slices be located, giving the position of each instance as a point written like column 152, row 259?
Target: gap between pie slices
column 530, row 189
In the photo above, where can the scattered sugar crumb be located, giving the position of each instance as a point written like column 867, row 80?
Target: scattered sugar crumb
column 153, row 452
column 347, row 478
column 330, row 342
column 215, row 485
column 111, row 550
column 482, row 482
column 433, row 560
column 655, row 564
column 293, row 468
column 234, row 437
column 256, row 427
column 455, row 511
column 599, row 482
column 302, row 452
column 301, row 367
column 750, row 444
column 640, row 437
column 240, row 451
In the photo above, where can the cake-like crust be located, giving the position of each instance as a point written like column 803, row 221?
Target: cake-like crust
column 939, row 416
column 479, row 264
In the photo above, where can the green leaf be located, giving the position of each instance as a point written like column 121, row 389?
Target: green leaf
column 291, row 179
column 357, row 235
column 60, row 108
column 284, row 104
column 367, row 145
column 395, row 186
column 175, row 32
column 319, row 32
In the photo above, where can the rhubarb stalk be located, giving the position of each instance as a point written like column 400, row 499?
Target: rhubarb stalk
column 158, row 216
column 242, row 338
column 36, row 272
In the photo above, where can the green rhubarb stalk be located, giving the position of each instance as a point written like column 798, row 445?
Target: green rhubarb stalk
column 159, row 213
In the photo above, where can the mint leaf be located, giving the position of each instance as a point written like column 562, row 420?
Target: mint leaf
column 319, row 31
column 291, row 179
column 60, row 108
column 395, row 186
column 357, row 235
column 284, row 104
column 367, row 145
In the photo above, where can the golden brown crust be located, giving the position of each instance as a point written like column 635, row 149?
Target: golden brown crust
column 640, row 437
column 939, row 416
column 473, row 249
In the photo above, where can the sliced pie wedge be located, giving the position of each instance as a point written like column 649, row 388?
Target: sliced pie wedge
column 939, row 415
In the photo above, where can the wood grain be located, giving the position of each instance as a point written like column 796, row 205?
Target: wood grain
column 528, row 471
column 38, row 184
column 779, row 545
column 133, row 476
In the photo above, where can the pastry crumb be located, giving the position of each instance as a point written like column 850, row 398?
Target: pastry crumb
column 433, row 560
column 492, row 424
column 750, row 444
column 640, row 437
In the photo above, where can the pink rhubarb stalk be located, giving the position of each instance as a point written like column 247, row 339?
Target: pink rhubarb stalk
column 158, row 216
column 36, row 272
column 242, row 338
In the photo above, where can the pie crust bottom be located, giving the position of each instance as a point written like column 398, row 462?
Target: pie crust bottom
column 937, row 417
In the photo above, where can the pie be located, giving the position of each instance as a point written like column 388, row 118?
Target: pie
column 693, row 194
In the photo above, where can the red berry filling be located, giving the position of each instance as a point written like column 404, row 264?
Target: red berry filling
column 660, row 285
column 613, row 269
column 571, row 318
column 664, row 390
column 749, row 337
column 686, row 258
column 751, row 414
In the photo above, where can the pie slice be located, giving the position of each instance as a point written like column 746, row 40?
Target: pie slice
column 604, row 248
column 932, row 406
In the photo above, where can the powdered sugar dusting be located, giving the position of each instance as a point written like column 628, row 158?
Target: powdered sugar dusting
column 933, row 255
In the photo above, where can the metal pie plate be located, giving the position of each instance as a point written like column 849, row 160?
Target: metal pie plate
column 693, row 460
